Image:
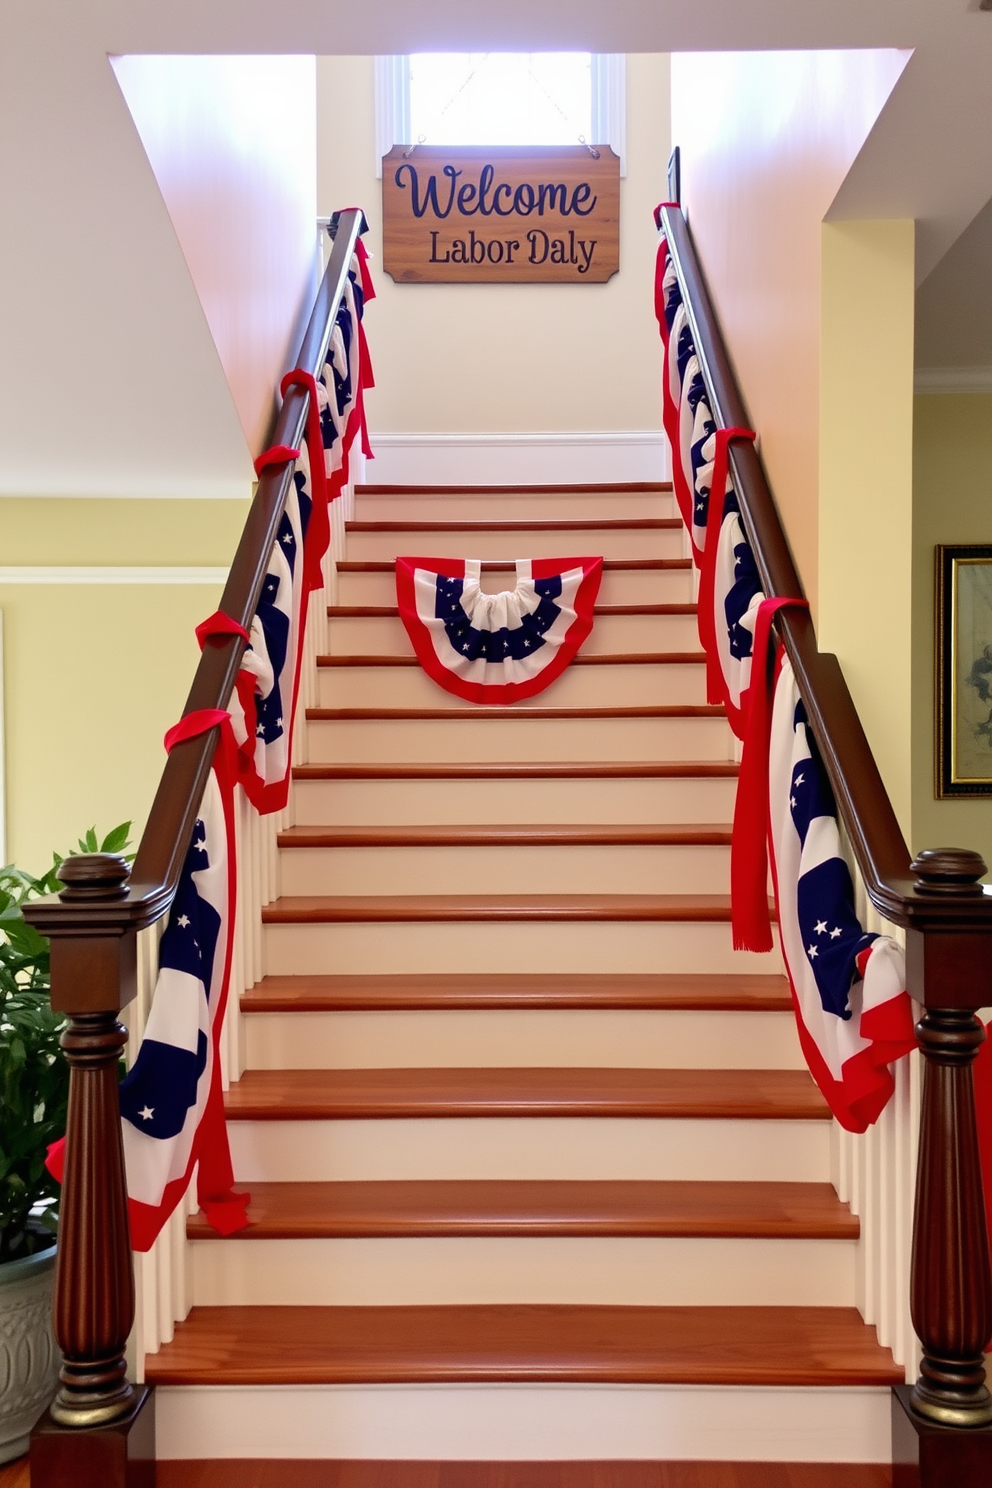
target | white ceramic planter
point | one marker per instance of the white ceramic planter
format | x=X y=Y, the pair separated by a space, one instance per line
x=29 y=1356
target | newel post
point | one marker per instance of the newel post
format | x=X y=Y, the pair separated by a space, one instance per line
x=84 y=1439
x=941 y=1426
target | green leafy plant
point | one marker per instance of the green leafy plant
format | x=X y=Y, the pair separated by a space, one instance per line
x=34 y=1077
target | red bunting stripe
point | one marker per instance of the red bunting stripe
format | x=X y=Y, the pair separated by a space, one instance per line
x=318 y=540
x=276 y=454
x=750 y=920
x=218 y=626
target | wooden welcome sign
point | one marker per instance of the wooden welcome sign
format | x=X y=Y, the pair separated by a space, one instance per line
x=506 y=215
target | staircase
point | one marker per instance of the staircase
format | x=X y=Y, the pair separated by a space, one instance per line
x=537 y=1169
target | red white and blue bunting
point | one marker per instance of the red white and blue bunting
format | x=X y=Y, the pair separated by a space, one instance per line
x=171 y=1100
x=853 y=1013
x=496 y=648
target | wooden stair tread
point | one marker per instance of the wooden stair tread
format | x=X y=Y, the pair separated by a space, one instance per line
x=523 y=524
x=502 y=565
x=334 y=909
x=691 y=1094
x=786 y=1346
x=392 y=612
x=283 y=1211
x=662 y=835
x=695 y=992
x=520 y=710
x=544 y=488
x=620 y=658
x=515 y=770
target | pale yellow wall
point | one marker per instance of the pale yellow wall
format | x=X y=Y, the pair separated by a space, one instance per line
x=94 y=675
x=766 y=140
x=866 y=481
x=483 y=358
x=952 y=503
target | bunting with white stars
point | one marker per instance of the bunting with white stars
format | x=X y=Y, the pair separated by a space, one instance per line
x=263 y=707
x=172 y=1113
x=848 y=986
x=496 y=648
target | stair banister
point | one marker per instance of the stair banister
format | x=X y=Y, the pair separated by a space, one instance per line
x=93 y=925
x=936 y=898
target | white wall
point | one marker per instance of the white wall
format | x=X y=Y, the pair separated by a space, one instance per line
x=232 y=142
x=483 y=358
x=766 y=140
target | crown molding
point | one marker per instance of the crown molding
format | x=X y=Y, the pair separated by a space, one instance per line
x=66 y=574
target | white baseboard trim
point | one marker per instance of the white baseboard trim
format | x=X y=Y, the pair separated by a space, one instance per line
x=953 y=380
x=525 y=1423
x=504 y=459
x=71 y=574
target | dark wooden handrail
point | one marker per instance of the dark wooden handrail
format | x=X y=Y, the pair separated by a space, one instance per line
x=869 y=819
x=93 y=925
x=153 y=880
x=936 y=897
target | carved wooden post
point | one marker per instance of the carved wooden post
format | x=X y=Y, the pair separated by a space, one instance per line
x=84 y=1438
x=951 y=1287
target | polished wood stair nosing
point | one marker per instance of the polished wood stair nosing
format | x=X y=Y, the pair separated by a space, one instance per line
x=391 y=612
x=521 y=710
x=552 y=488
x=516 y=770
x=521 y=1207
x=771 y=1346
x=336 y=909
x=502 y=565
x=665 y=991
x=618 y=658
x=523 y=525
x=551 y=835
x=442 y=1093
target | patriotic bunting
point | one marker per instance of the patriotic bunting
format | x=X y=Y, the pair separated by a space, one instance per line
x=172 y=1109
x=263 y=708
x=496 y=648
x=848 y=987
x=172 y=1106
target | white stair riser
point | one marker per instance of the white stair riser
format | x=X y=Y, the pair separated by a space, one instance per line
x=384 y=635
x=590 y=1147
x=524 y=1423
x=601 y=686
x=558 y=506
x=648 y=542
x=538 y=947
x=619 y=1271
x=563 y=869
x=539 y=740
x=506 y=802
x=540 y=1038
x=619 y=586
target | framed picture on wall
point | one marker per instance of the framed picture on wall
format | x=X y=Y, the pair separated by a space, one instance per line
x=963 y=751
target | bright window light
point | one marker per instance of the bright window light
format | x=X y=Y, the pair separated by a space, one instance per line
x=500 y=98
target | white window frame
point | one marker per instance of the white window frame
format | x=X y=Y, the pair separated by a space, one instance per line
x=609 y=104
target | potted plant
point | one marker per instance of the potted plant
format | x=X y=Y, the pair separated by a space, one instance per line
x=34 y=1092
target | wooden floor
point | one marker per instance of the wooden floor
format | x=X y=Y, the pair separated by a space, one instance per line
x=302 y=1474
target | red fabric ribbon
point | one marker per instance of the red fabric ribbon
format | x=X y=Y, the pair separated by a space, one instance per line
x=657 y=211
x=276 y=454
x=218 y=625
x=317 y=540
x=716 y=691
x=750 y=920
